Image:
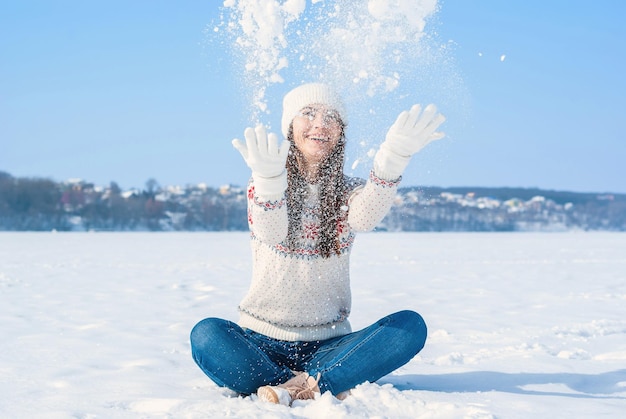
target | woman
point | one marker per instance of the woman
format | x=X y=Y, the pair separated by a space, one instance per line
x=293 y=339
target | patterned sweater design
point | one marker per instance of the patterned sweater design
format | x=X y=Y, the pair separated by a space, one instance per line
x=296 y=294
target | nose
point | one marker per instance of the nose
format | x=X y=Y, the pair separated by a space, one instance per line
x=319 y=121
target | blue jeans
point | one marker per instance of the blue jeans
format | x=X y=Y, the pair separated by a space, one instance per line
x=243 y=360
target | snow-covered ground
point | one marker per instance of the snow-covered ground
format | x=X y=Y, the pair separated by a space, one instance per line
x=521 y=325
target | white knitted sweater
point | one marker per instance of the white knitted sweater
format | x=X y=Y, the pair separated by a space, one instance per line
x=296 y=294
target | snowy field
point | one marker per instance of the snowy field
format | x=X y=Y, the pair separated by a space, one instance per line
x=521 y=325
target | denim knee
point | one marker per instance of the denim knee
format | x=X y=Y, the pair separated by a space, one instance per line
x=203 y=332
x=414 y=328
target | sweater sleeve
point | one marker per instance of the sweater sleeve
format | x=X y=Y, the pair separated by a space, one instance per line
x=267 y=218
x=369 y=204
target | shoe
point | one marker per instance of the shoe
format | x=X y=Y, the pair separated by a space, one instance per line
x=301 y=387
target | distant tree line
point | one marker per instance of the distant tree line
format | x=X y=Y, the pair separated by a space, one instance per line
x=39 y=204
x=505 y=209
x=36 y=204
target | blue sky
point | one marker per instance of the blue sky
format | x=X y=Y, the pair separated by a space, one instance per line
x=128 y=91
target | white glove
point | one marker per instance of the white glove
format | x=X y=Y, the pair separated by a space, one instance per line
x=412 y=131
x=266 y=160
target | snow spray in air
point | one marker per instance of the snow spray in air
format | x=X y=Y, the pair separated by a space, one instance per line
x=378 y=54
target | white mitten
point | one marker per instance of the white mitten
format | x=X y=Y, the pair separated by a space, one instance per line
x=266 y=160
x=411 y=132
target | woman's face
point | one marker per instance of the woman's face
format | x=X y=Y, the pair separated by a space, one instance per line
x=316 y=132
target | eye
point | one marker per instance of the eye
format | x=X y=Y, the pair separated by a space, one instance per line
x=332 y=117
x=308 y=113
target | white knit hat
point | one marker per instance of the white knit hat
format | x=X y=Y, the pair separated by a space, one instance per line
x=308 y=94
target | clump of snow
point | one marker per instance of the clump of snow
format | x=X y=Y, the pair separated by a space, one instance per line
x=259 y=29
x=365 y=43
x=520 y=325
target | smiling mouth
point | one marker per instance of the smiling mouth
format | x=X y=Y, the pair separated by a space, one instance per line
x=319 y=139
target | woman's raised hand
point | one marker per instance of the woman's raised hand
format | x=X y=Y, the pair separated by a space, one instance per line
x=414 y=130
x=262 y=153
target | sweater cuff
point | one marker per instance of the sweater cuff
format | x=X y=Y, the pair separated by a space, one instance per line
x=272 y=188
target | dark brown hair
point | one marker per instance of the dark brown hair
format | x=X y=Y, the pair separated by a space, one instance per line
x=332 y=187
